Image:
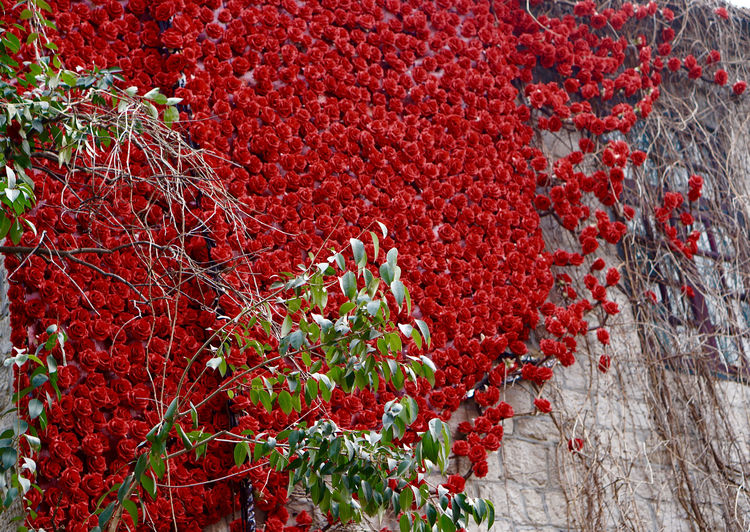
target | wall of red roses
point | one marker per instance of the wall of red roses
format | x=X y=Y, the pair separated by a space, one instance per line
x=335 y=114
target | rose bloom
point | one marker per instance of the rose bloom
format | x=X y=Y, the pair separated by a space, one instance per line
x=481 y=469
x=543 y=405
x=575 y=444
x=739 y=87
x=460 y=448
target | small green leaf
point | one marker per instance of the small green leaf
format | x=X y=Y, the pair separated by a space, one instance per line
x=140 y=465
x=122 y=491
x=403 y=523
x=286 y=325
x=424 y=330
x=358 y=250
x=397 y=287
x=406 y=498
x=241 y=450
x=375 y=245
x=285 y=402
x=35 y=408
x=445 y=524
x=12 y=42
x=106 y=515
x=132 y=509
x=171 y=115
x=348 y=283
x=171 y=410
x=149 y=485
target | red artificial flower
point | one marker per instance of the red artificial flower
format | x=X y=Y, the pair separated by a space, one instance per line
x=543 y=405
x=739 y=87
x=460 y=448
x=721 y=77
x=721 y=12
x=604 y=362
x=575 y=444
x=612 y=277
x=455 y=484
x=480 y=469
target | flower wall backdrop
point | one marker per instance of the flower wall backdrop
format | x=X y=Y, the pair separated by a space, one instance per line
x=329 y=115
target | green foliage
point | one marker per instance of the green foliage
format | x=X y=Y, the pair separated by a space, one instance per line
x=350 y=474
x=20 y=443
x=52 y=114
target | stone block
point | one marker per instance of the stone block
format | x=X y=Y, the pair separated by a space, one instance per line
x=525 y=461
x=535 y=508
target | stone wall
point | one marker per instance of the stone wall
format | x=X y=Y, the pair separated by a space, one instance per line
x=6 y=379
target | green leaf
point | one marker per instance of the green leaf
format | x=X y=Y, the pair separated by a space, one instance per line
x=373 y=307
x=122 y=491
x=424 y=330
x=445 y=524
x=51 y=363
x=265 y=398
x=383 y=228
x=149 y=485
x=171 y=115
x=392 y=257
x=11 y=42
x=403 y=523
x=286 y=325
x=43 y=5
x=285 y=402
x=157 y=464
x=348 y=284
x=358 y=250
x=311 y=391
x=35 y=408
x=241 y=450
x=8 y=457
x=397 y=287
x=375 y=245
x=106 y=515
x=431 y=513
x=406 y=498
x=132 y=509
x=140 y=465
x=5 y=223
x=386 y=273
x=171 y=410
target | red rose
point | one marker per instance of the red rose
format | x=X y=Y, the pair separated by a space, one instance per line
x=543 y=405
x=455 y=484
x=92 y=445
x=575 y=444
x=739 y=87
x=480 y=469
x=126 y=449
x=92 y=484
x=477 y=453
x=70 y=479
x=172 y=38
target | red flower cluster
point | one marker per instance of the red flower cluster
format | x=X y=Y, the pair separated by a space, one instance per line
x=338 y=114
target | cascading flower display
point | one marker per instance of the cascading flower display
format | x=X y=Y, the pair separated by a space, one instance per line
x=422 y=114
